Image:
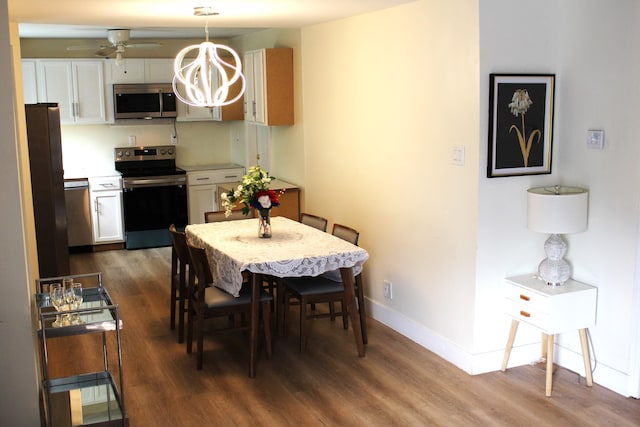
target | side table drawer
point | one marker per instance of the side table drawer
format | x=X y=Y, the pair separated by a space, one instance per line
x=530 y=300
x=528 y=314
x=553 y=309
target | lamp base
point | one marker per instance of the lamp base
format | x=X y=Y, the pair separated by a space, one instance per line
x=554 y=269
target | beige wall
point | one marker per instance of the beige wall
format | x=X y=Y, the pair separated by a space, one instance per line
x=382 y=113
x=18 y=358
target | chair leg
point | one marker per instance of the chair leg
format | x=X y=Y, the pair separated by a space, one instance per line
x=345 y=314
x=174 y=261
x=200 y=343
x=182 y=289
x=332 y=310
x=172 y=320
x=361 y=308
x=285 y=313
x=189 y=332
x=279 y=307
x=266 y=320
x=303 y=324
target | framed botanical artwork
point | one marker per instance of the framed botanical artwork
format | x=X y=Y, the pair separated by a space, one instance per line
x=520 y=124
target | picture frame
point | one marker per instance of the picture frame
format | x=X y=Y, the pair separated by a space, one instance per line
x=520 y=124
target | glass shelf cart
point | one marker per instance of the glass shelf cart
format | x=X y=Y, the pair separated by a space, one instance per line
x=88 y=399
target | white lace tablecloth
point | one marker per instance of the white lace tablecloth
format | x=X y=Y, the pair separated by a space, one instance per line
x=293 y=250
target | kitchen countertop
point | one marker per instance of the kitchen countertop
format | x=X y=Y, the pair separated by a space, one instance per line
x=83 y=173
x=217 y=166
x=276 y=184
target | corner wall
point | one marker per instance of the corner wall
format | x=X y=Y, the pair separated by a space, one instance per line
x=590 y=46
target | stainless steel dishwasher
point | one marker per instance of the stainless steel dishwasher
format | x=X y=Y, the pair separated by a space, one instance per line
x=76 y=197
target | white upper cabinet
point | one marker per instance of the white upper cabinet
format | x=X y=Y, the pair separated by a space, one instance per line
x=140 y=70
x=268 y=99
x=130 y=71
x=158 y=70
x=77 y=86
x=30 y=81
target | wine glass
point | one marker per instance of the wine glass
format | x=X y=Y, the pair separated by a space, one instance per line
x=69 y=297
x=56 y=295
x=77 y=302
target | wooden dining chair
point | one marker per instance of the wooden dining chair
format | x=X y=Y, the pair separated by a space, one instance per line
x=216 y=216
x=320 y=289
x=314 y=221
x=179 y=269
x=206 y=301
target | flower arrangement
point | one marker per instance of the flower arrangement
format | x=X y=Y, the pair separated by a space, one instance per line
x=253 y=192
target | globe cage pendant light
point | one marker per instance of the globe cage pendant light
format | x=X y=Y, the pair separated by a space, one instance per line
x=206 y=80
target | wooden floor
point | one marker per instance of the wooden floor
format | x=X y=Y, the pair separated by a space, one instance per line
x=398 y=383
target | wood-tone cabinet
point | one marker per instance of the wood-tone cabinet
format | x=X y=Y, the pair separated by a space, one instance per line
x=268 y=98
x=289 y=200
x=77 y=86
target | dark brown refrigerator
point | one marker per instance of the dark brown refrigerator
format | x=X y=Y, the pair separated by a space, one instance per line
x=47 y=186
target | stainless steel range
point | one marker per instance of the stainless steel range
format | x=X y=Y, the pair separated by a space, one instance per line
x=154 y=194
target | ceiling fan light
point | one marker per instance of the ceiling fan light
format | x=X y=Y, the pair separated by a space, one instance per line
x=119 y=59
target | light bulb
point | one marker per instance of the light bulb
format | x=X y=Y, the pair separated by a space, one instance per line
x=119 y=59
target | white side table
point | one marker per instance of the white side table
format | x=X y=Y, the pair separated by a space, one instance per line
x=553 y=310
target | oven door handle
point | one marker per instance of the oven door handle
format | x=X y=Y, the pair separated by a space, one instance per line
x=153 y=182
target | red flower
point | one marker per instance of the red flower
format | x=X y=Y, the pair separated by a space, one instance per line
x=273 y=197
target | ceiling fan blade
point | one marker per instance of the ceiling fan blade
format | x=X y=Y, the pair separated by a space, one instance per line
x=86 y=47
x=105 y=51
x=143 y=45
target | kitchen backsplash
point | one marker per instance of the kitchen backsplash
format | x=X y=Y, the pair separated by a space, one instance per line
x=90 y=147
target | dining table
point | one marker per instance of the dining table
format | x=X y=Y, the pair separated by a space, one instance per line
x=293 y=250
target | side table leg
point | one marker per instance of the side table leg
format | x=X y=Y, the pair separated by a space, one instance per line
x=585 y=356
x=507 y=350
x=550 y=340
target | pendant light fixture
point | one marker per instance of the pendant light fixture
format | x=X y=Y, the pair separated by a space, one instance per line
x=207 y=79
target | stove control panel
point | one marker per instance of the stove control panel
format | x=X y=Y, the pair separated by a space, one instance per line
x=155 y=152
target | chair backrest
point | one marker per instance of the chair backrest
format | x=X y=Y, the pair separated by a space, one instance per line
x=314 y=221
x=179 y=240
x=200 y=265
x=217 y=216
x=346 y=233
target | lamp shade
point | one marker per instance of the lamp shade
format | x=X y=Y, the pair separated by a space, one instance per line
x=557 y=210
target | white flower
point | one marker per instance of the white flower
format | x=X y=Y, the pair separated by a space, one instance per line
x=265 y=201
x=223 y=196
x=520 y=102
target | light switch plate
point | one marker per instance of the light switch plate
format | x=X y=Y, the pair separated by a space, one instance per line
x=595 y=139
x=457 y=155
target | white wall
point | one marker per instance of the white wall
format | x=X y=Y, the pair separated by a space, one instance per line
x=590 y=46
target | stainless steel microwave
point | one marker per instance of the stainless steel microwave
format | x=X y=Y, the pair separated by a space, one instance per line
x=144 y=101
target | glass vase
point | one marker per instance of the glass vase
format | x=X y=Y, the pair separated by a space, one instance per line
x=264 y=223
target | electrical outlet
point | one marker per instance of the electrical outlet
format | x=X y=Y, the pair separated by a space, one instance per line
x=387 y=289
x=174 y=139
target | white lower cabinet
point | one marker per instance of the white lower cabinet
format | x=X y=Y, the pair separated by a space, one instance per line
x=106 y=209
x=202 y=189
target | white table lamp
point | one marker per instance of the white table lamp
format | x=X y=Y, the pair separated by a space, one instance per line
x=556 y=210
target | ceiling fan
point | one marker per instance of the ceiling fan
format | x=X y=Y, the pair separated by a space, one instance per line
x=119 y=41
